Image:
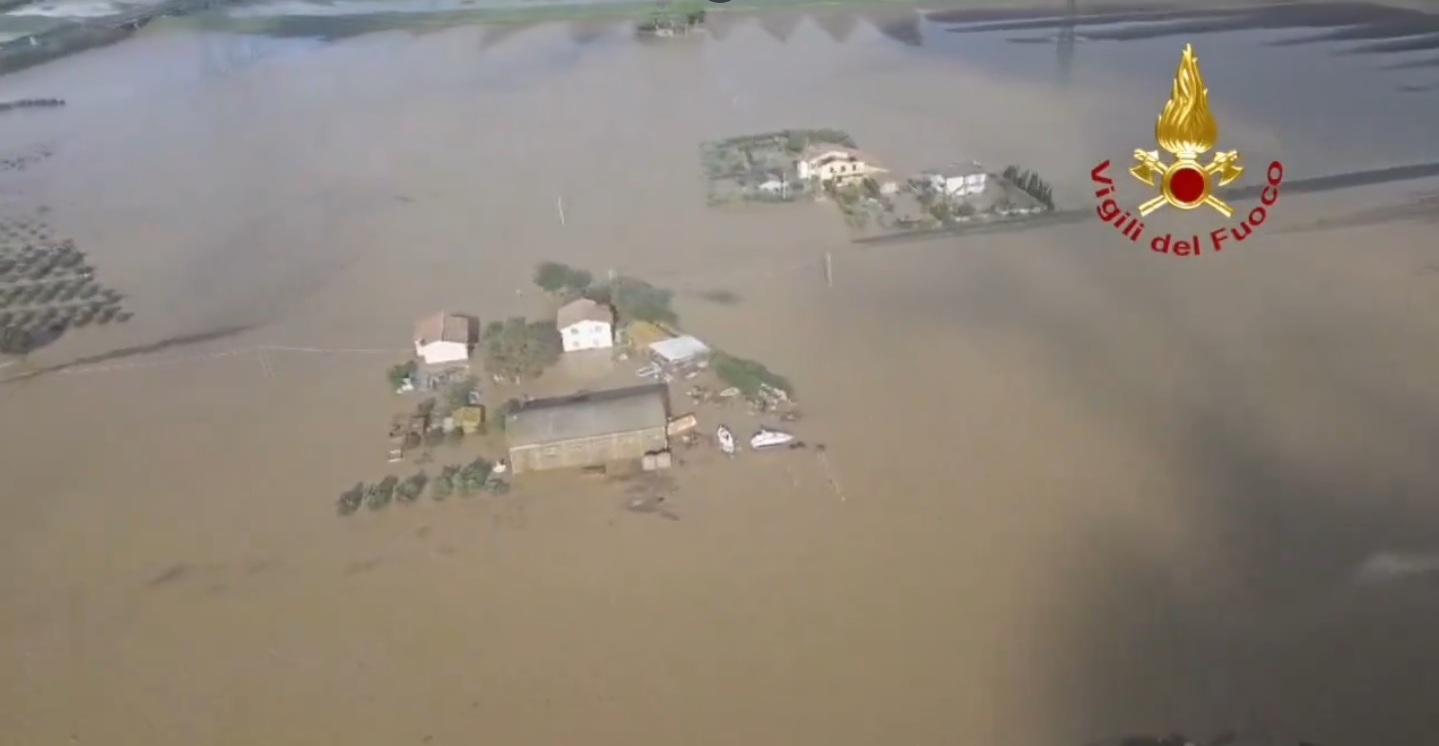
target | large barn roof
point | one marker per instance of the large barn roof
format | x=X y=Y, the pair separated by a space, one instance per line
x=545 y=421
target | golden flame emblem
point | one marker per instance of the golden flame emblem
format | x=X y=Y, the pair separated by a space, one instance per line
x=1186 y=129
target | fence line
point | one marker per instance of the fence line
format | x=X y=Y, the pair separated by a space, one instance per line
x=258 y=351
x=709 y=277
x=335 y=350
x=139 y=364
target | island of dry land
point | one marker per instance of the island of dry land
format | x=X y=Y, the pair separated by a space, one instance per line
x=473 y=379
x=826 y=165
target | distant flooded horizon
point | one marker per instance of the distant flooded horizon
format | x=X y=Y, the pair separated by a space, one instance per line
x=1383 y=59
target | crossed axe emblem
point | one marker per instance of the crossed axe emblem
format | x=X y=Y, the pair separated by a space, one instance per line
x=1225 y=167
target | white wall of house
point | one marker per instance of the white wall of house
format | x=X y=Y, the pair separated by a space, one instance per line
x=828 y=168
x=438 y=353
x=587 y=335
x=959 y=186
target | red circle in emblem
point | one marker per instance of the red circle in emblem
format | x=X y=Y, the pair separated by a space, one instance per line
x=1188 y=184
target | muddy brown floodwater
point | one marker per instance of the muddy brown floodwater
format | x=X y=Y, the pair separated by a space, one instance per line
x=1087 y=491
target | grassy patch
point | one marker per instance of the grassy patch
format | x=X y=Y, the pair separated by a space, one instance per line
x=747 y=375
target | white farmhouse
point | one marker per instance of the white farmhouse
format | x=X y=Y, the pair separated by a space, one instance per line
x=443 y=338
x=586 y=325
x=961 y=181
x=831 y=163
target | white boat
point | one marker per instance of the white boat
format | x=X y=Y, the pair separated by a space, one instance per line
x=767 y=438
x=726 y=440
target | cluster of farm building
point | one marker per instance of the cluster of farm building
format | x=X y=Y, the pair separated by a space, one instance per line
x=618 y=429
x=796 y=165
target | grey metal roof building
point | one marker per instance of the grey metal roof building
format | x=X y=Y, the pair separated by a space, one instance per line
x=588 y=429
x=679 y=350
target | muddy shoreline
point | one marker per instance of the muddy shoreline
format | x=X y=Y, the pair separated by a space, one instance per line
x=73 y=38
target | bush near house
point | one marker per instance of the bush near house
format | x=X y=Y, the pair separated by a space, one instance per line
x=398 y=373
x=747 y=375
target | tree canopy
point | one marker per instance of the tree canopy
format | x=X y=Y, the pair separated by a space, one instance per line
x=15 y=341
x=637 y=300
x=1030 y=183
x=562 y=279
x=517 y=348
x=633 y=299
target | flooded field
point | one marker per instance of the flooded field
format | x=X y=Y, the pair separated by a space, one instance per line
x=1087 y=491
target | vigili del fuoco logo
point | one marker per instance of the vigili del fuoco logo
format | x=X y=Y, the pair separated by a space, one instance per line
x=1187 y=131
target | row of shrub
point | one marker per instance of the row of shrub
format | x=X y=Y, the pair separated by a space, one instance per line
x=471 y=479
x=1029 y=182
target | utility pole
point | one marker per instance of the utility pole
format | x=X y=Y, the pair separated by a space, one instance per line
x=1065 y=45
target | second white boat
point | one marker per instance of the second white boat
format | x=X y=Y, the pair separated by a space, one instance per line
x=767 y=438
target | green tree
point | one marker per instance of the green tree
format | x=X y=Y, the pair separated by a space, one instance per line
x=472 y=478
x=409 y=491
x=562 y=280
x=1030 y=183
x=444 y=484
x=351 y=499
x=15 y=340
x=636 y=300
x=398 y=373
x=552 y=277
x=517 y=349
x=580 y=281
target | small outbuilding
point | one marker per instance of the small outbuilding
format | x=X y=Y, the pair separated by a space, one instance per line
x=680 y=352
x=958 y=181
x=591 y=429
